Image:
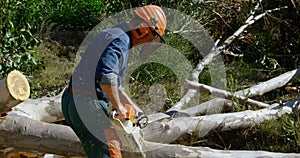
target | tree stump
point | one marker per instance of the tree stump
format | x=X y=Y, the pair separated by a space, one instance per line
x=13 y=89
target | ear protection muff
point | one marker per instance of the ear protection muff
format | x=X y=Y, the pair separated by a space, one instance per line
x=141 y=30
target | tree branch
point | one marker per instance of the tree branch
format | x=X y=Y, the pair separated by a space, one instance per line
x=217 y=51
x=271 y=84
x=168 y=130
x=224 y=94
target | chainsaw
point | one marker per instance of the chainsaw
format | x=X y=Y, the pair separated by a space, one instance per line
x=128 y=130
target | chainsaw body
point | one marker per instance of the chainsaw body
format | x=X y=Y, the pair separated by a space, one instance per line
x=129 y=132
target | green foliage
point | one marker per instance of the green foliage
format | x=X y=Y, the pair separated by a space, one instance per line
x=273 y=42
x=150 y=74
x=17 y=42
x=115 y=6
x=22 y=21
x=184 y=46
x=74 y=15
x=280 y=135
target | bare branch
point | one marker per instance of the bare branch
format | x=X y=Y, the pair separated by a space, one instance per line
x=216 y=52
x=212 y=106
x=224 y=94
x=271 y=84
x=227 y=52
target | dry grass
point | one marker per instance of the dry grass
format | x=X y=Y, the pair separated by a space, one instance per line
x=58 y=69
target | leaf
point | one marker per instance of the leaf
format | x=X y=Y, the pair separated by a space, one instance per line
x=8 y=34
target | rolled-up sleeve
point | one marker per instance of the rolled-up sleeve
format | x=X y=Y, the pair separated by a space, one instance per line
x=109 y=79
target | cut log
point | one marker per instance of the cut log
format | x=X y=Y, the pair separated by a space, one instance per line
x=13 y=89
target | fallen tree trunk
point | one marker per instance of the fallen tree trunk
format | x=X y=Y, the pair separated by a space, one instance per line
x=210 y=107
x=168 y=130
x=171 y=150
x=13 y=90
x=46 y=109
x=25 y=133
x=172 y=123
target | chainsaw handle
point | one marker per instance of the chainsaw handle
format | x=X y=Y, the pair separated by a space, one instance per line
x=142 y=122
x=113 y=114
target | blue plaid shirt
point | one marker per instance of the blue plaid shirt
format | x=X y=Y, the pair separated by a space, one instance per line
x=112 y=64
x=104 y=61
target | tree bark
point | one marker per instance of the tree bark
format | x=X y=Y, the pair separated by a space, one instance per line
x=46 y=109
x=224 y=94
x=24 y=133
x=271 y=84
x=168 y=130
x=171 y=150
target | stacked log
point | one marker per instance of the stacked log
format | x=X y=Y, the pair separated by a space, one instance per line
x=13 y=89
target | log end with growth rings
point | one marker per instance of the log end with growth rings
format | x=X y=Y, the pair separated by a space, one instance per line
x=13 y=89
x=18 y=85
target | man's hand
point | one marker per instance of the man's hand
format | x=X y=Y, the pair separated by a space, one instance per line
x=125 y=99
x=121 y=112
x=113 y=95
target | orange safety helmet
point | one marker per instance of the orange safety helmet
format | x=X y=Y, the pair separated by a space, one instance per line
x=154 y=17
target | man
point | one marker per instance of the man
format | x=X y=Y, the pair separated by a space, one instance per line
x=96 y=81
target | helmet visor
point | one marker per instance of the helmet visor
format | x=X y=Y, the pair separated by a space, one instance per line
x=157 y=37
